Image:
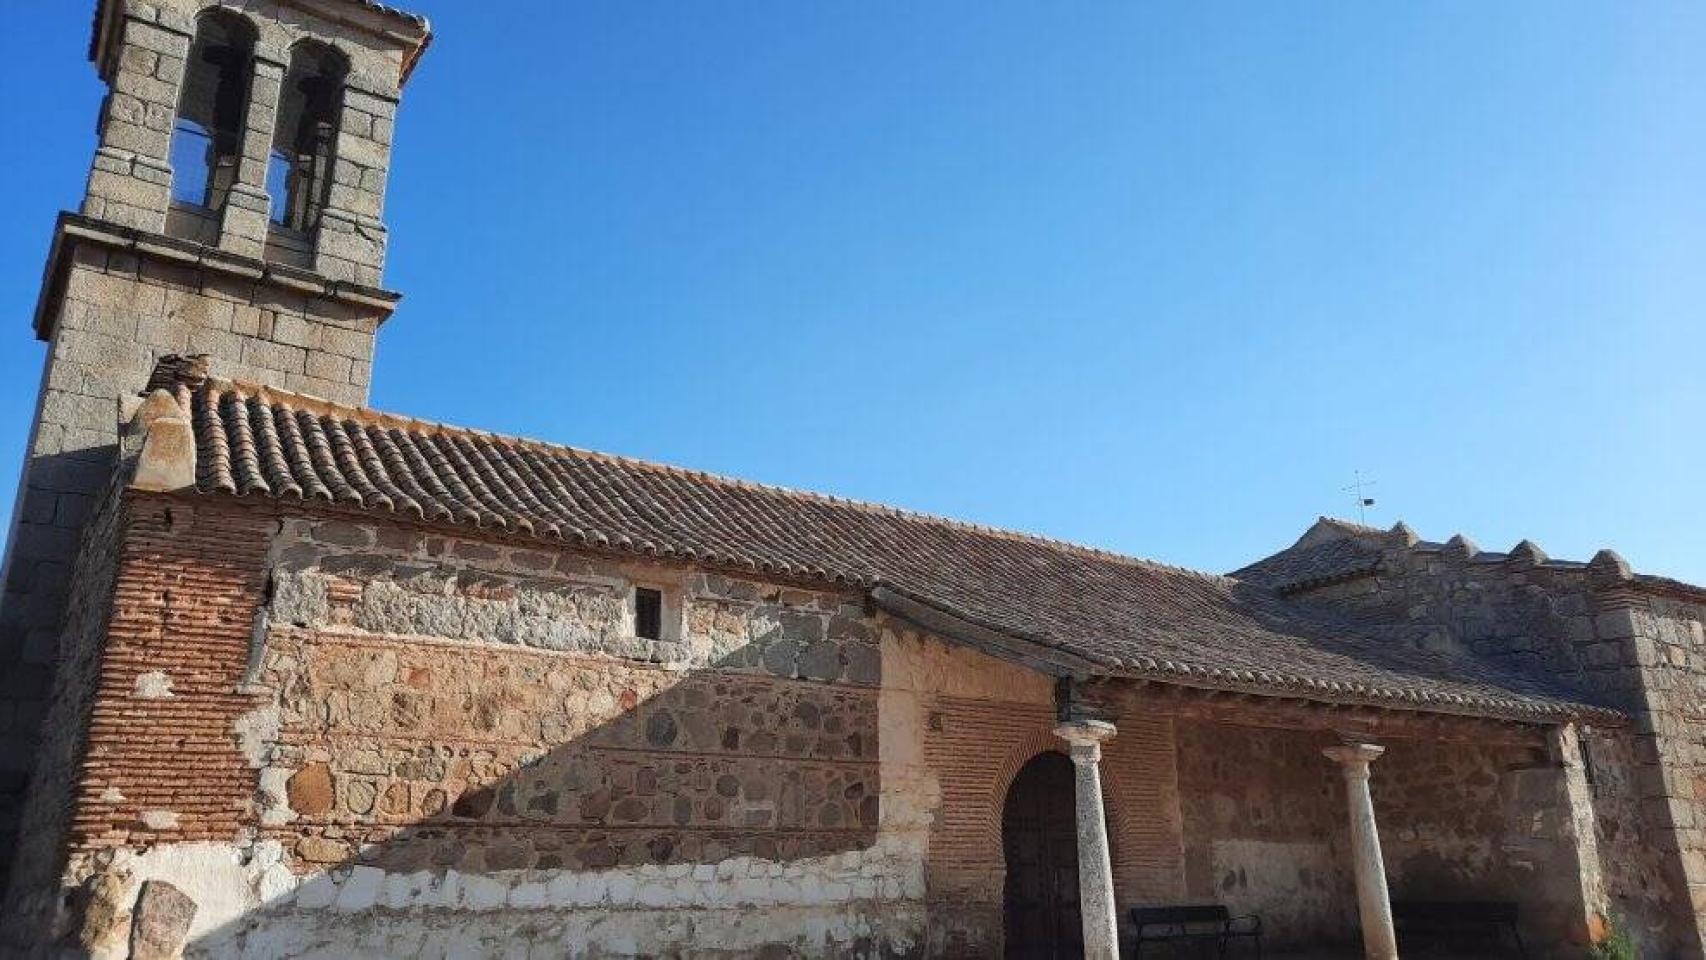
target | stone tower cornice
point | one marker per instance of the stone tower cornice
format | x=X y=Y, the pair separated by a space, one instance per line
x=73 y=228
x=410 y=31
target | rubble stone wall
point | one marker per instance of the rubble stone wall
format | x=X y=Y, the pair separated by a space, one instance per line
x=1533 y=619
x=421 y=738
x=1264 y=824
x=321 y=735
x=405 y=742
x=1266 y=830
x=1616 y=637
x=1643 y=894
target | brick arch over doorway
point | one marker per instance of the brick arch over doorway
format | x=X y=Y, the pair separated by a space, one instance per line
x=979 y=746
x=1019 y=755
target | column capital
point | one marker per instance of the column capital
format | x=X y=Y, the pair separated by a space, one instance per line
x=1354 y=757
x=1085 y=737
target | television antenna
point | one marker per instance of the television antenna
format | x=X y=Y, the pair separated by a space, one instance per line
x=1363 y=500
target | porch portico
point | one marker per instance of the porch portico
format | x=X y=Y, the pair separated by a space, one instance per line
x=1316 y=818
x=1184 y=795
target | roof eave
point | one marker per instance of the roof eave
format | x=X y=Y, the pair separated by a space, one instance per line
x=1052 y=661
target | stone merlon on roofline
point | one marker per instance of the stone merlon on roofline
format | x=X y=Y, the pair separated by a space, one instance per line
x=1068 y=608
x=1336 y=551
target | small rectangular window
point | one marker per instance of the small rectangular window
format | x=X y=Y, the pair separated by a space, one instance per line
x=648 y=613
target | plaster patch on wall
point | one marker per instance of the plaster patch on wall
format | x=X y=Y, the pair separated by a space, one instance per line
x=153 y=685
x=226 y=881
x=250 y=904
x=256 y=732
x=160 y=819
x=846 y=931
x=1296 y=887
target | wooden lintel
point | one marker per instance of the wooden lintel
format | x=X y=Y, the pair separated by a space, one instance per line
x=1286 y=713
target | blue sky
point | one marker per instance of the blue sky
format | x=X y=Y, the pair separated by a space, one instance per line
x=1157 y=277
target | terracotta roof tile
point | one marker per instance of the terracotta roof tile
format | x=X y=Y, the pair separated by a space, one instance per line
x=1122 y=615
x=1307 y=565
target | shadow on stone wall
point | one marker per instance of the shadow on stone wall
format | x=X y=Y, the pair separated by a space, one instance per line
x=727 y=809
x=58 y=494
x=716 y=766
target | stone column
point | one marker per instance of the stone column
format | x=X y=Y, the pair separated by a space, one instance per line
x=248 y=207
x=351 y=241
x=1374 y=904
x=131 y=181
x=1095 y=869
x=1579 y=886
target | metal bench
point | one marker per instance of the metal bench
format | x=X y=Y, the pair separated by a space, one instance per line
x=1199 y=924
x=1480 y=923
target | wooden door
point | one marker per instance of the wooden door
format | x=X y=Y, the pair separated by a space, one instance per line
x=1038 y=835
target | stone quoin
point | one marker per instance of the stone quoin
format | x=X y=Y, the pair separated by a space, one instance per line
x=291 y=676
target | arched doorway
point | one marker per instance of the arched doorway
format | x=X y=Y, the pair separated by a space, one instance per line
x=1038 y=836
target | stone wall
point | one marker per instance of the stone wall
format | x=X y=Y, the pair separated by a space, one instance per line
x=1663 y=636
x=1532 y=618
x=432 y=737
x=320 y=735
x=1629 y=641
x=1639 y=870
x=1264 y=829
x=1496 y=821
x=428 y=743
x=478 y=724
x=121 y=311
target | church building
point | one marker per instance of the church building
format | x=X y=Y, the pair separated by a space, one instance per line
x=288 y=676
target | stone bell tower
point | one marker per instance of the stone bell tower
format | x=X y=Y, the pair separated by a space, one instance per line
x=233 y=209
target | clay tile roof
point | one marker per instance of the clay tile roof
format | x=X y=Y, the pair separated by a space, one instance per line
x=1313 y=564
x=1112 y=614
